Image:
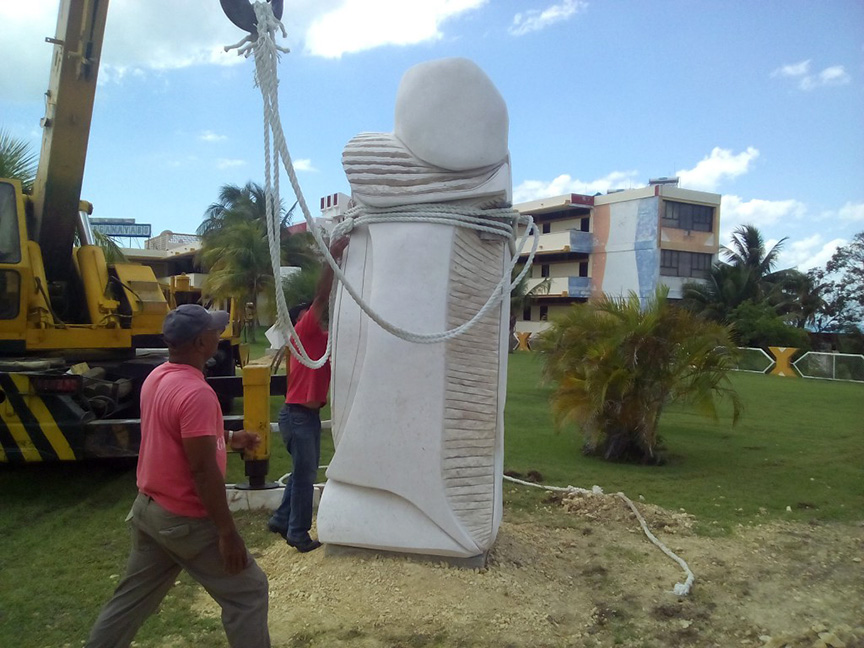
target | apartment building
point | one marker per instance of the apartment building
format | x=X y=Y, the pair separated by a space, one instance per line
x=614 y=243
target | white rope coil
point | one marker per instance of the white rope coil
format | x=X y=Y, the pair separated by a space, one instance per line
x=680 y=589
x=502 y=222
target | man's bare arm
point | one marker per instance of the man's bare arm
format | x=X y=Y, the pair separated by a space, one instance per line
x=201 y=453
x=325 y=283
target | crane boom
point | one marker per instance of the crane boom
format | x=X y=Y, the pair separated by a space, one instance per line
x=68 y=112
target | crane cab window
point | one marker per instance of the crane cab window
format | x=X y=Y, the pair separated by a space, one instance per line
x=10 y=243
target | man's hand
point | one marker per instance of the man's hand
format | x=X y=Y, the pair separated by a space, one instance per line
x=233 y=552
x=338 y=246
x=245 y=440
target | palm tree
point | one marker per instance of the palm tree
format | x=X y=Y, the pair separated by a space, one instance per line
x=235 y=247
x=237 y=257
x=249 y=204
x=747 y=284
x=300 y=287
x=747 y=252
x=725 y=288
x=17 y=161
x=617 y=363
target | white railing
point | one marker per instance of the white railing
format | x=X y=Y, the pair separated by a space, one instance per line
x=831 y=366
x=754 y=360
x=818 y=365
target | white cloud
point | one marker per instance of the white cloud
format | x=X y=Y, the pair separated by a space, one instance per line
x=830 y=76
x=852 y=212
x=716 y=167
x=151 y=35
x=537 y=19
x=226 y=163
x=811 y=252
x=303 y=164
x=156 y=35
x=793 y=70
x=358 y=25
x=210 y=136
x=564 y=184
x=761 y=213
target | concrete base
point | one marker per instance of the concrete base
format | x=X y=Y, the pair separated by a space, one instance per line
x=268 y=499
x=472 y=562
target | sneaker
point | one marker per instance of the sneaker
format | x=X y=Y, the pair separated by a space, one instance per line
x=275 y=528
x=303 y=545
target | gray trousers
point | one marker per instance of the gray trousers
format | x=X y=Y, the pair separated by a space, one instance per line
x=163 y=544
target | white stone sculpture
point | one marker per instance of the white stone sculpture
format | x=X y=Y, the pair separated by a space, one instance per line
x=419 y=427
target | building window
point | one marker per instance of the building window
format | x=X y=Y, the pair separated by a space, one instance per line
x=544 y=270
x=584 y=225
x=526 y=314
x=674 y=263
x=669 y=260
x=583 y=269
x=700 y=265
x=544 y=313
x=546 y=227
x=699 y=218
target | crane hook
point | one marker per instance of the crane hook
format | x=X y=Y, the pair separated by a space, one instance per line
x=241 y=13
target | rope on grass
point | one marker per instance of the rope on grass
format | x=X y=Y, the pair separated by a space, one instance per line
x=680 y=589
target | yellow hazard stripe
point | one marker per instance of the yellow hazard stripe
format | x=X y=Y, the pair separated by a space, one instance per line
x=2 y=455
x=19 y=434
x=46 y=420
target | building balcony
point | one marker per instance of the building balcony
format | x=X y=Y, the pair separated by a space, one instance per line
x=581 y=241
x=558 y=286
x=579 y=286
x=561 y=242
x=563 y=287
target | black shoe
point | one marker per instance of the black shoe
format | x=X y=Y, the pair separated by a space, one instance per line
x=275 y=529
x=305 y=545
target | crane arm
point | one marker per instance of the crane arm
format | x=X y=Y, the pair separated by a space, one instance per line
x=66 y=130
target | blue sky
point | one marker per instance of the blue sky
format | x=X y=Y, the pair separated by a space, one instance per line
x=762 y=102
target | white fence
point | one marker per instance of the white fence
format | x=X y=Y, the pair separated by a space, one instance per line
x=813 y=364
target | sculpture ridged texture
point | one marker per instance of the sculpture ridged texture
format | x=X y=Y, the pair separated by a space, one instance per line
x=471 y=397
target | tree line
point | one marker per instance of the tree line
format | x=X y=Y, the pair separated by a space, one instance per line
x=769 y=307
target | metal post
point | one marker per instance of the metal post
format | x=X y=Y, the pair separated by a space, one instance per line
x=256 y=418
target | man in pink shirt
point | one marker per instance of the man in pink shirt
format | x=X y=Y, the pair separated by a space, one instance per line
x=180 y=519
x=300 y=417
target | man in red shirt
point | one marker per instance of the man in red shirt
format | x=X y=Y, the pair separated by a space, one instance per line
x=180 y=519
x=300 y=417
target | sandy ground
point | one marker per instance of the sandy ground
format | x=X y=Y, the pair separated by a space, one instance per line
x=594 y=580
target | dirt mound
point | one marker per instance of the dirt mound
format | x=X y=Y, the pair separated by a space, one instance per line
x=592 y=580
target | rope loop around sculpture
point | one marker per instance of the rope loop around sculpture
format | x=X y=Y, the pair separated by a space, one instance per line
x=500 y=221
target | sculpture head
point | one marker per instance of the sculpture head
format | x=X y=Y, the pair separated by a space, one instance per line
x=449 y=141
x=450 y=115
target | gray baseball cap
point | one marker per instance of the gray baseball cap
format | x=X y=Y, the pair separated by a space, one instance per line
x=186 y=322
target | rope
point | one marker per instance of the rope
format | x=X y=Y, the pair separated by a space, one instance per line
x=501 y=222
x=680 y=589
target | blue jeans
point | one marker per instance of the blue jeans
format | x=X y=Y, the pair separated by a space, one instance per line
x=301 y=431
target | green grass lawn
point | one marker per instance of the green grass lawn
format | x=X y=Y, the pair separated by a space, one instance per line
x=800 y=443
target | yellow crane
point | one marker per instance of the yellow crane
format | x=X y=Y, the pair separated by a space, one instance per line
x=72 y=327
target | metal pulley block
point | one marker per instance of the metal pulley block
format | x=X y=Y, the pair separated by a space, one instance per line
x=242 y=14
